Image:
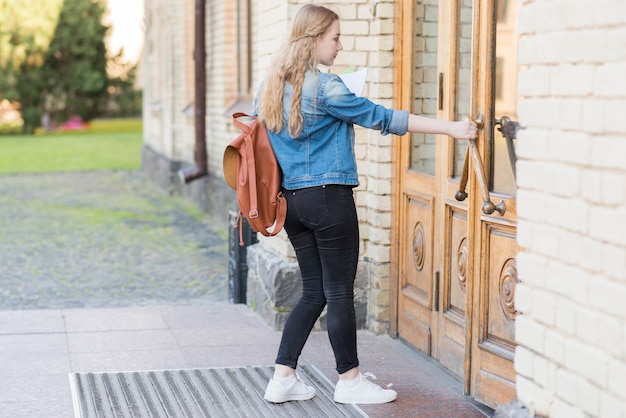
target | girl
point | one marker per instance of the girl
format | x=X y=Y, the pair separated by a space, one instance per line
x=310 y=116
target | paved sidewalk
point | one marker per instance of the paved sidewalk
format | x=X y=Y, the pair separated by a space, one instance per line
x=41 y=347
x=104 y=272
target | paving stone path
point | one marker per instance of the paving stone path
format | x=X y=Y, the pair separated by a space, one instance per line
x=105 y=239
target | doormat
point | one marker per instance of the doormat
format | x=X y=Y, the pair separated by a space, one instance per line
x=214 y=392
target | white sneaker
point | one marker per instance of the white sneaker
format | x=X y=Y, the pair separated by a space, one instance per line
x=297 y=390
x=364 y=392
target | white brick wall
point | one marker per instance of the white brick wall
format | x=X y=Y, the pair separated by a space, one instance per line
x=571 y=357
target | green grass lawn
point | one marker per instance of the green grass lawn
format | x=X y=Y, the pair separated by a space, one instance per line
x=111 y=144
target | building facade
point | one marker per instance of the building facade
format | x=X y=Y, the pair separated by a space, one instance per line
x=503 y=259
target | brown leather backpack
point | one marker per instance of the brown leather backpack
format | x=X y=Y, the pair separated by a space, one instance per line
x=251 y=168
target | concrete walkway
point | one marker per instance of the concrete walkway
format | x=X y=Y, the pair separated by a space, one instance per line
x=101 y=272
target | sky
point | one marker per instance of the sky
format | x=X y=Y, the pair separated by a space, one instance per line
x=126 y=18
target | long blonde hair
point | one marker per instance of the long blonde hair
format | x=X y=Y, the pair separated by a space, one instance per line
x=290 y=65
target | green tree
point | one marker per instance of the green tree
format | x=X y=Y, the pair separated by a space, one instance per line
x=124 y=98
x=26 y=28
x=75 y=66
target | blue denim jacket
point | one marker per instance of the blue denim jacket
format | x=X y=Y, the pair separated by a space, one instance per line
x=324 y=152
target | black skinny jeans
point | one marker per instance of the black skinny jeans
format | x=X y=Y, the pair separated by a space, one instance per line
x=323 y=228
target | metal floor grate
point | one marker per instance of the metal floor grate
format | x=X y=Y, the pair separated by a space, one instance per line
x=215 y=392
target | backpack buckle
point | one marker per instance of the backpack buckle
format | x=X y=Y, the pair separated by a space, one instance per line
x=253 y=214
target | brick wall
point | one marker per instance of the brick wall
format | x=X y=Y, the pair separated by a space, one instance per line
x=571 y=358
x=367 y=36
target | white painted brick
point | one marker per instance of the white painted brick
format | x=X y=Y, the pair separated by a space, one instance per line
x=529 y=333
x=609 y=12
x=570 y=214
x=591 y=46
x=611 y=405
x=534 y=81
x=608 y=152
x=613 y=43
x=570 y=114
x=531 y=394
x=545 y=240
x=566 y=385
x=560 y=409
x=588 y=325
x=614 y=121
x=530 y=205
x=607 y=296
x=574 y=147
x=572 y=80
x=617 y=376
x=569 y=247
x=524 y=234
x=566 y=316
x=613 y=188
x=591 y=186
x=523 y=298
x=567 y=280
x=612 y=336
x=544 y=372
x=524 y=361
x=588 y=397
x=572 y=14
x=555 y=346
x=539 y=175
x=592 y=251
x=533 y=142
x=531 y=269
x=539 y=112
x=531 y=51
x=543 y=308
x=605 y=84
x=593 y=116
x=590 y=362
x=614 y=262
x=604 y=224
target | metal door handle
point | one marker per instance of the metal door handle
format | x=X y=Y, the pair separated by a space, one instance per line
x=509 y=129
x=488 y=206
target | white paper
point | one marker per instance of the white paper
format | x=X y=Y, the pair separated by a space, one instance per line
x=355 y=81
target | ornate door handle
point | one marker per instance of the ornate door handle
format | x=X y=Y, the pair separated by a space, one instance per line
x=488 y=206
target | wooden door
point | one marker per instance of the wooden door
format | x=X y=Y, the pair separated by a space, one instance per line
x=455 y=262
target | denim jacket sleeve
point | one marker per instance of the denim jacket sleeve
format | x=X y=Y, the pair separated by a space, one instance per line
x=345 y=105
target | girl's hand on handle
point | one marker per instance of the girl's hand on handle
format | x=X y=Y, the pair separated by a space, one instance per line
x=460 y=130
x=463 y=130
